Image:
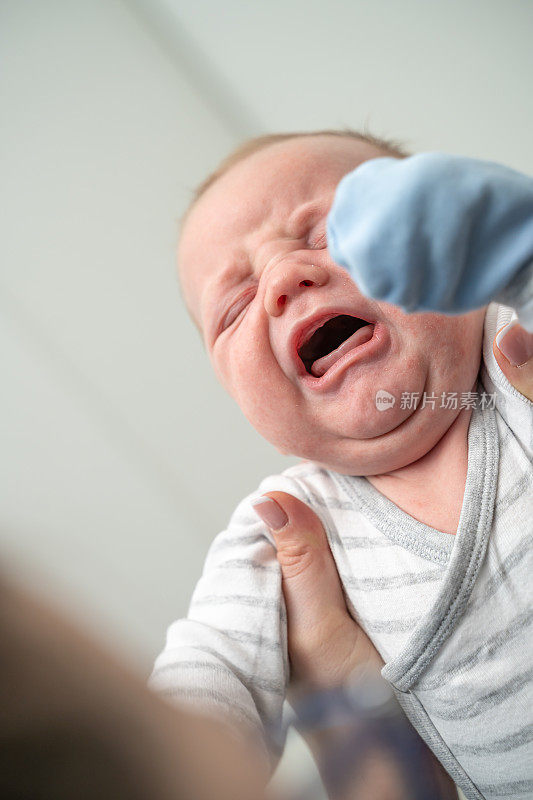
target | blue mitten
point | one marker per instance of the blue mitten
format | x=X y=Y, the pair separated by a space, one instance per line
x=436 y=232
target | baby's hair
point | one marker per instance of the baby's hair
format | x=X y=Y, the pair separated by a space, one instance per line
x=251 y=146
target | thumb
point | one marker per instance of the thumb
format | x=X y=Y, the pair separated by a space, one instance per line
x=310 y=578
x=325 y=642
x=513 y=350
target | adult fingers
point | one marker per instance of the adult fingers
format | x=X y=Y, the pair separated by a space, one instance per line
x=513 y=350
x=325 y=643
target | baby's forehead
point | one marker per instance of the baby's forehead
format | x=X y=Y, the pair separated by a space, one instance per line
x=204 y=256
x=255 y=194
x=278 y=177
x=259 y=194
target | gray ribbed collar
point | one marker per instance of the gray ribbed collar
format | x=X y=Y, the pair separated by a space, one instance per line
x=462 y=554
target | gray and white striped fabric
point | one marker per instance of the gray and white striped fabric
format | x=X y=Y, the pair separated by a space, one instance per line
x=451 y=615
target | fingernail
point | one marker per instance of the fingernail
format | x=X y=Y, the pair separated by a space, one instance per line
x=270 y=512
x=515 y=343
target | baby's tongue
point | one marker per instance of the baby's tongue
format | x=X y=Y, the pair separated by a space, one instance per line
x=321 y=365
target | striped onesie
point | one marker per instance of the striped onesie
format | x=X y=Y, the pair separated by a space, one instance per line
x=450 y=615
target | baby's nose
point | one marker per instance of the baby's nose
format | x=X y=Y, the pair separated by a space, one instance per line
x=288 y=280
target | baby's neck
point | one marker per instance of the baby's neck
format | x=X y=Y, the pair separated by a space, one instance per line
x=431 y=489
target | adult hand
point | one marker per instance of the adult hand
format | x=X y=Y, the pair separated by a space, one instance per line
x=325 y=643
x=513 y=350
x=326 y=646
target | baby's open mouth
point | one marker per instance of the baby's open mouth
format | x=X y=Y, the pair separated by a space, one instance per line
x=332 y=340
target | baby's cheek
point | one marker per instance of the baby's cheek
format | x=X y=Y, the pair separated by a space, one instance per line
x=450 y=345
x=458 y=345
x=256 y=384
x=238 y=362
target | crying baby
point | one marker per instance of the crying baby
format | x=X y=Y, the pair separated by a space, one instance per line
x=414 y=496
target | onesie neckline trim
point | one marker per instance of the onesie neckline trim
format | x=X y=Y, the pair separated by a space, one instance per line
x=461 y=554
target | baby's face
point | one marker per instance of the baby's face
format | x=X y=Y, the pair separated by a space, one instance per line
x=259 y=280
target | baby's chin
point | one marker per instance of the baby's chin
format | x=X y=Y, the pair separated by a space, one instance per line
x=376 y=464
x=399 y=447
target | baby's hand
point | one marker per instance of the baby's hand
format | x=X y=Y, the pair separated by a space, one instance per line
x=435 y=232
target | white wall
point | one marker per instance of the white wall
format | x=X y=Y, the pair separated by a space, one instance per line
x=120 y=455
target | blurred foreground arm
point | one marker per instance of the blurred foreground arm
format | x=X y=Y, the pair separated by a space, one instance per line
x=76 y=723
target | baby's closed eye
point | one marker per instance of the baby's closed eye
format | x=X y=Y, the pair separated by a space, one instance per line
x=317 y=239
x=237 y=307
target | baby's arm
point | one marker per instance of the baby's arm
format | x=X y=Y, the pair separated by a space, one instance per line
x=437 y=232
x=229 y=656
